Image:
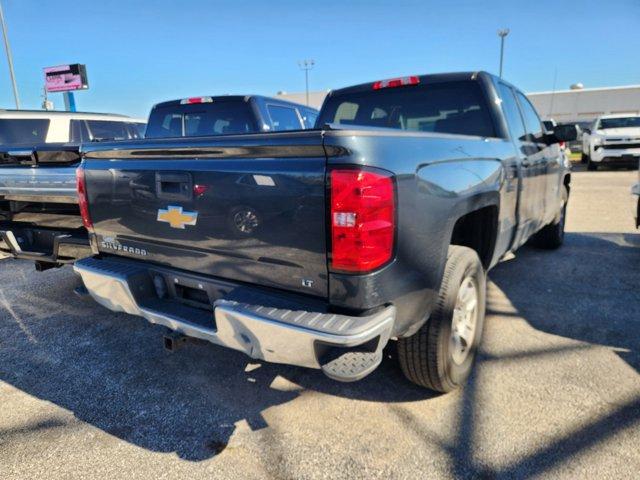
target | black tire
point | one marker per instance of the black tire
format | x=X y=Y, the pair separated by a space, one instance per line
x=591 y=166
x=426 y=357
x=584 y=158
x=552 y=236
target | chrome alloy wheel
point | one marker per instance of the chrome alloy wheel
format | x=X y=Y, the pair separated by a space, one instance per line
x=464 y=321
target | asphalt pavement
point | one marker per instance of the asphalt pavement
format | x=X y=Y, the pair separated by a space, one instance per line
x=86 y=393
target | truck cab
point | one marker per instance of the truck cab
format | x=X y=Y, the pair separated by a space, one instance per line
x=227 y=115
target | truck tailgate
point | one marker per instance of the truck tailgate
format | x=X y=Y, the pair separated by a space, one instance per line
x=249 y=208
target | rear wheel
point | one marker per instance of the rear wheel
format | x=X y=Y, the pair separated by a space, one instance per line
x=440 y=355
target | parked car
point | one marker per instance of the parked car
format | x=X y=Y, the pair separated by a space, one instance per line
x=38 y=200
x=388 y=218
x=230 y=114
x=39 y=216
x=612 y=140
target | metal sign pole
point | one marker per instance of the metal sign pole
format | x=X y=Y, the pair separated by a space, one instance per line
x=9 y=59
x=69 y=101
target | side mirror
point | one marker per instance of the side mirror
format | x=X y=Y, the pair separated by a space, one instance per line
x=563 y=133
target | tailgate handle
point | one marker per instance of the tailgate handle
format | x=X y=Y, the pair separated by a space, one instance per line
x=174 y=185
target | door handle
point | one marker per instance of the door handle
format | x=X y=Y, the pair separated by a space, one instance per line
x=174 y=185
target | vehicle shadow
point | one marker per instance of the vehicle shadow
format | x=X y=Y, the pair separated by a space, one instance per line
x=606 y=310
x=112 y=372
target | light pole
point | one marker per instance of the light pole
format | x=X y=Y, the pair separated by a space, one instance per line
x=502 y=33
x=306 y=65
x=9 y=59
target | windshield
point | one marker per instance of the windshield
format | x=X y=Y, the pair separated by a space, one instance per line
x=23 y=130
x=448 y=107
x=201 y=119
x=621 y=122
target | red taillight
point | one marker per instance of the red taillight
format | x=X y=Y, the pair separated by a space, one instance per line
x=362 y=219
x=396 y=82
x=188 y=101
x=82 y=199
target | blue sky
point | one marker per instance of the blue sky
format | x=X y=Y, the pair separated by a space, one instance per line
x=141 y=52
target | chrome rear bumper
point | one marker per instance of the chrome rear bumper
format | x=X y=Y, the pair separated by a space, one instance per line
x=297 y=337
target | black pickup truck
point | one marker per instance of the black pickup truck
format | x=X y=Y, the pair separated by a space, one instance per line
x=316 y=248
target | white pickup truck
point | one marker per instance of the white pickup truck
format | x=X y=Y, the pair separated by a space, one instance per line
x=612 y=140
x=39 y=154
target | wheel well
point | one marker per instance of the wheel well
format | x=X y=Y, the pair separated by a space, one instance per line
x=478 y=230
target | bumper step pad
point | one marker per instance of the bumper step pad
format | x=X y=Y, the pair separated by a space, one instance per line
x=352 y=366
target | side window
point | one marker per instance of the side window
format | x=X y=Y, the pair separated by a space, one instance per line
x=141 y=128
x=512 y=112
x=283 y=118
x=309 y=118
x=134 y=131
x=79 y=131
x=100 y=130
x=531 y=119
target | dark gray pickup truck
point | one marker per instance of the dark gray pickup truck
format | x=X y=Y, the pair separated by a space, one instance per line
x=316 y=248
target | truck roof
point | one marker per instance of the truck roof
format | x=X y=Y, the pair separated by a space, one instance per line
x=9 y=113
x=425 y=78
x=233 y=98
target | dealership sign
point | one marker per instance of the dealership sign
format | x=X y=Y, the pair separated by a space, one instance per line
x=64 y=78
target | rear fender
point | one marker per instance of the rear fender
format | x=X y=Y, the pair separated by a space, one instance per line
x=450 y=190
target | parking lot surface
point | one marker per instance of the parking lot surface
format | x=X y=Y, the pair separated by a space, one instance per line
x=86 y=393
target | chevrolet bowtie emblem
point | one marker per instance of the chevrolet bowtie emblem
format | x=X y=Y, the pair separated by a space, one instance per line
x=176 y=217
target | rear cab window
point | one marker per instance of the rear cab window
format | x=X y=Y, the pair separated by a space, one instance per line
x=201 y=119
x=457 y=107
x=22 y=130
x=283 y=118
